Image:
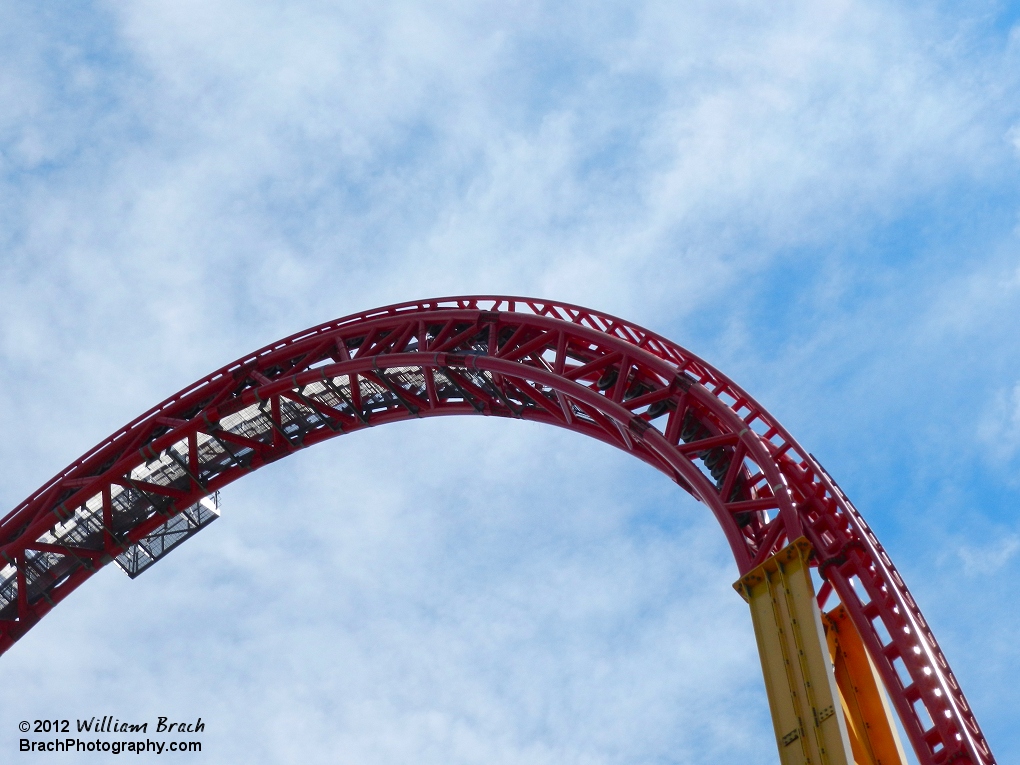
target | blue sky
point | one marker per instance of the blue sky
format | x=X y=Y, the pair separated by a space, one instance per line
x=819 y=198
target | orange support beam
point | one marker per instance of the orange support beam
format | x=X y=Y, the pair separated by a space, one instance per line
x=870 y=723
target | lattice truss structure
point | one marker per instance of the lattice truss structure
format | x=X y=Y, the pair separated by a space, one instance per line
x=154 y=483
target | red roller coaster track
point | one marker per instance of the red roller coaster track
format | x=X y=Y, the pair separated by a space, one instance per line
x=143 y=490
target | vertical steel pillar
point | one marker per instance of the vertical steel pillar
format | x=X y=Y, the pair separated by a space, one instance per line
x=870 y=723
x=806 y=713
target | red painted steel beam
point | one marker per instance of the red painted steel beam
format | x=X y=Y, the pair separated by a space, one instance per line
x=497 y=356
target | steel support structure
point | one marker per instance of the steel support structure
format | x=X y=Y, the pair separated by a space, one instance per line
x=870 y=723
x=807 y=716
x=498 y=356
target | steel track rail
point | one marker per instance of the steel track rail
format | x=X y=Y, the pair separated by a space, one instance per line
x=139 y=492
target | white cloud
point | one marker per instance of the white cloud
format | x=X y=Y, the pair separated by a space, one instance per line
x=991 y=559
x=1000 y=429
x=180 y=183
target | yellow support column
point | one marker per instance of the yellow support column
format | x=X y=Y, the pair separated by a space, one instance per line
x=807 y=718
x=869 y=717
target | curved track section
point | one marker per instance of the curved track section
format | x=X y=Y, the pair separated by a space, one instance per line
x=147 y=487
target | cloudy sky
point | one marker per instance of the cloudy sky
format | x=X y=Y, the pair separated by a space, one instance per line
x=820 y=198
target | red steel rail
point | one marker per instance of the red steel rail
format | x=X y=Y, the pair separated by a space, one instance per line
x=141 y=491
